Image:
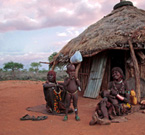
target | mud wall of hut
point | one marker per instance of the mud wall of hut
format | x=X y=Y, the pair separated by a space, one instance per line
x=130 y=69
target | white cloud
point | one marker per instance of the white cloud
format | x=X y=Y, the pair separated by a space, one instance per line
x=36 y=14
x=33 y=14
x=67 y=18
x=63 y=34
x=65 y=10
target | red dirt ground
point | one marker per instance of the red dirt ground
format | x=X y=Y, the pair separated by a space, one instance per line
x=16 y=96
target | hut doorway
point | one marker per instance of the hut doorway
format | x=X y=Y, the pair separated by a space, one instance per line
x=117 y=58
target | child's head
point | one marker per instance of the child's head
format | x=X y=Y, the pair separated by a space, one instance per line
x=104 y=93
x=51 y=76
x=71 y=70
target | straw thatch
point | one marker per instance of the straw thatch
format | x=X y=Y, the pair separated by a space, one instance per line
x=110 y=32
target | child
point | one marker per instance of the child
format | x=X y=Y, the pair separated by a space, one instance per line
x=103 y=109
x=71 y=84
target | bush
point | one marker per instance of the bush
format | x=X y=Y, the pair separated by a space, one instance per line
x=27 y=75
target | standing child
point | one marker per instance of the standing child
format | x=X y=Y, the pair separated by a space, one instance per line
x=71 y=84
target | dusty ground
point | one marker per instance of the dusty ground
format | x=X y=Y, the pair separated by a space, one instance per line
x=16 y=96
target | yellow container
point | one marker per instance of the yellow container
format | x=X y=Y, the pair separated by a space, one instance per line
x=134 y=100
x=132 y=93
x=133 y=97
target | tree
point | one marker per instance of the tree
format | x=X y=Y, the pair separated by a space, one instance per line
x=35 y=67
x=50 y=58
x=59 y=65
x=13 y=66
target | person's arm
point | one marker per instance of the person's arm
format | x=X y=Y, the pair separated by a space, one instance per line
x=48 y=85
x=113 y=93
x=66 y=81
x=122 y=95
x=61 y=86
x=78 y=82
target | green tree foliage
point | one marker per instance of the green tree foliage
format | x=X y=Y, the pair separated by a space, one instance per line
x=35 y=67
x=13 y=66
x=50 y=58
x=60 y=66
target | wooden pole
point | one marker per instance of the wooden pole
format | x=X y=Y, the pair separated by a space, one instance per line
x=136 y=70
x=44 y=62
x=53 y=66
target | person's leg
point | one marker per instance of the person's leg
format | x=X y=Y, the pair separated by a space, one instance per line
x=94 y=120
x=45 y=91
x=98 y=110
x=103 y=107
x=46 y=96
x=97 y=116
x=110 y=111
x=115 y=103
x=104 y=110
x=50 y=99
x=67 y=105
x=75 y=102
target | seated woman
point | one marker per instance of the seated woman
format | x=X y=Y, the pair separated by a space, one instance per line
x=116 y=96
x=53 y=93
x=119 y=91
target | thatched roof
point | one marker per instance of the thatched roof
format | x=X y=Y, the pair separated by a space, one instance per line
x=110 y=32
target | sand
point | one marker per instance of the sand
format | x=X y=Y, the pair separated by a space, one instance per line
x=16 y=96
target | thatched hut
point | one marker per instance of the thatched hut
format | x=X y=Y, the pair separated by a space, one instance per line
x=109 y=42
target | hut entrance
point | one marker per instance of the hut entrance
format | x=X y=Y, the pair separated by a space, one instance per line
x=117 y=58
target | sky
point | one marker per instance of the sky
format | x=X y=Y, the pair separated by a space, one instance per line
x=31 y=30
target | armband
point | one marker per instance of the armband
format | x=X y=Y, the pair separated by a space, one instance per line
x=79 y=88
x=120 y=97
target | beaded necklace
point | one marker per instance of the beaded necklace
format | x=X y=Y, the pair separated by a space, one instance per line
x=119 y=89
